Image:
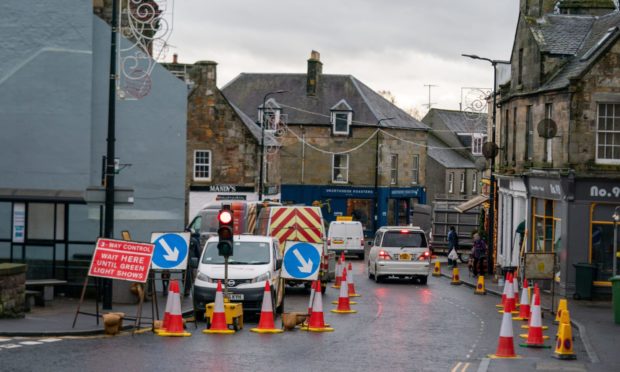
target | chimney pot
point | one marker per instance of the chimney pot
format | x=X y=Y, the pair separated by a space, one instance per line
x=175 y=58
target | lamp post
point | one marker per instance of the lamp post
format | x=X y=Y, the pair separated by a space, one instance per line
x=491 y=177
x=377 y=173
x=616 y=217
x=262 y=143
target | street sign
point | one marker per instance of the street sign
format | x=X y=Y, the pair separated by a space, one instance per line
x=170 y=250
x=301 y=260
x=123 y=260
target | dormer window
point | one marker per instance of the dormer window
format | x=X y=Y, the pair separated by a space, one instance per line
x=341 y=117
x=477 y=140
x=270 y=115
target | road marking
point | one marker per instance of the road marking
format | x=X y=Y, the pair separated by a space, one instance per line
x=50 y=339
x=456 y=367
x=10 y=346
x=484 y=365
x=31 y=343
x=2 y=339
x=465 y=366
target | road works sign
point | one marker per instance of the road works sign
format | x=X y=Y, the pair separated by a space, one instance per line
x=170 y=250
x=301 y=261
x=123 y=260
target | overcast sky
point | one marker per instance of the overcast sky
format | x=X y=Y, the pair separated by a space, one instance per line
x=395 y=45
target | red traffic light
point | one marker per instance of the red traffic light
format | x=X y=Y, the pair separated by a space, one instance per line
x=225 y=217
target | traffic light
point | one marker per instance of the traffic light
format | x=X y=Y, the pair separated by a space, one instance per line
x=225 y=231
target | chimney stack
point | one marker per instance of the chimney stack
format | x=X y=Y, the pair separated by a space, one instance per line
x=175 y=58
x=315 y=69
x=204 y=73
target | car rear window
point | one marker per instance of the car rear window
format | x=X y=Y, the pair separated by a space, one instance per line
x=403 y=239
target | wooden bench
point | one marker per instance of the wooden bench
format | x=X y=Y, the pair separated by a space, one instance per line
x=47 y=285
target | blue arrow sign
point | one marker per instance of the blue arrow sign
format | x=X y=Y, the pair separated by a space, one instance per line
x=301 y=261
x=170 y=251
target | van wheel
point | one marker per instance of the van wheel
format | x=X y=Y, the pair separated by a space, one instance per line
x=464 y=257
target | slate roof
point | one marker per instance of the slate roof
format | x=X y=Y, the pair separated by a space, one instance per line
x=445 y=156
x=563 y=27
x=463 y=121
x=254 y=128
x=561 y=34
x=247 y=90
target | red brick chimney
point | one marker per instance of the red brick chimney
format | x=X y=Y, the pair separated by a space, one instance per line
x=175 y=58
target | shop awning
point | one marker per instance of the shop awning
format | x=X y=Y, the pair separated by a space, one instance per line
x=471 y=203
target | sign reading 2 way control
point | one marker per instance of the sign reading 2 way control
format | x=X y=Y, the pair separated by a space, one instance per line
x=301 y=261
x=170 y=250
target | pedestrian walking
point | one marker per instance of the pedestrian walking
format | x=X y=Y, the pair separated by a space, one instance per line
x=479 y=252
x=453 y=245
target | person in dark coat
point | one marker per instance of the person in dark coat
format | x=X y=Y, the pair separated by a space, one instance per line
x=479 y=251
x=453 y=244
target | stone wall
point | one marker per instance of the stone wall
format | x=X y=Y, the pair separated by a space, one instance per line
x=12 y=290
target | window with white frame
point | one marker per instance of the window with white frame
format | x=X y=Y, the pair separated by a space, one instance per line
x=477 y=141
x=415 y=169
x=608 y=134
x=462 y=188
x=474 y=182
x=340 y=168
x=394 y=169
x=341 y=122
x=202 y=165
x=450 y=182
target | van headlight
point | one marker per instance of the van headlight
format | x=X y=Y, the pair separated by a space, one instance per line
x=204 y=278
x=262 y=278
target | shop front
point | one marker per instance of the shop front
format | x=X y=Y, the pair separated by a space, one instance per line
x=200 y=196
x=512 y=209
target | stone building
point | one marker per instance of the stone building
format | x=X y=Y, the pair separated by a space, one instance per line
x=223 y=144
x=558 y=168
x=343 y=145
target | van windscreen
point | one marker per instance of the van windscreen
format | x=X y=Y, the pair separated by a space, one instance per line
x=244 y=253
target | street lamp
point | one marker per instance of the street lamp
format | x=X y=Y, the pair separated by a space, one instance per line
x=377 y=172
x=262 y=143
x=616 y=217
x=494 y=153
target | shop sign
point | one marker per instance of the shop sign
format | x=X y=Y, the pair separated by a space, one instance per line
x=598 y=191
x=348 y=191
x=222 y=188
x=19 y=222
x=545 y=188
x=230 y=197
x=405 y=193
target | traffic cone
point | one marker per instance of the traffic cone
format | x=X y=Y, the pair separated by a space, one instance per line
x=316 y=322
x=564 y=343
x=535 y=336
x=509 y=305
x=166 y=319
x=174 y=325
x=524 y=310
x=312 y=294
x=480 y=290
x=350 y=282
x=343 y=299
x=437 y=269
x=339 y=266
x=505 y=345
x=218 y=320
x=456 y=279
x=563 y=305
x=501 y=305
x=266 y=324
x=536 y=294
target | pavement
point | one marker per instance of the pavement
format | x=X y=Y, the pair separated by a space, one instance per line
x=592 y=321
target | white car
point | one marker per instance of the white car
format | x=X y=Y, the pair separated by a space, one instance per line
x=399 y=251
x=255 y=260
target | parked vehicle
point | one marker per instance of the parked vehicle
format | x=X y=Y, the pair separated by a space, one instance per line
x=347 y=237
x=444 y=216
x=399 y=251
x=255 y=260
x=298 y=223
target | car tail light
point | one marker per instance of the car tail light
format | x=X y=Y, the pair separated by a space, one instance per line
x=362 y=242
x=404 y=231
x=425 y=256
x=329 y=242
x=383 y=255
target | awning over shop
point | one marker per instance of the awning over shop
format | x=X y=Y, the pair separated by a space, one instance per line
x=471 y=203
x=41 y=195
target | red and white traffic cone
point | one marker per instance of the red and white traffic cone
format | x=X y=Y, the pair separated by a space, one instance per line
x=317 y=322
x=536 y=294
x=509 y=305
x=339 y=266
x=266 y=323
x=524 y=310
x=505 y=346
x=343 y=298
x=218 y=320
x=174 y=325
x=350 y=282
x=166 y=319
x=503 y=303
x=535 y=336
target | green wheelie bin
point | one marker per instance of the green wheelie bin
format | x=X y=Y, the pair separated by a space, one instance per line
x=615 y=294
x=583 y=281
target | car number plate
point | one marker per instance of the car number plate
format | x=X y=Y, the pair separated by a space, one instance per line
x=235 y=296
x=404 y=257
x=338 y=241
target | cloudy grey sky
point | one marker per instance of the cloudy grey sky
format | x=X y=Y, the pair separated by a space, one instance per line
x=395 y=45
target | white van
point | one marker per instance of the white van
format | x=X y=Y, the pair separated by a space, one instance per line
x=255 y=260
x=347 y=237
